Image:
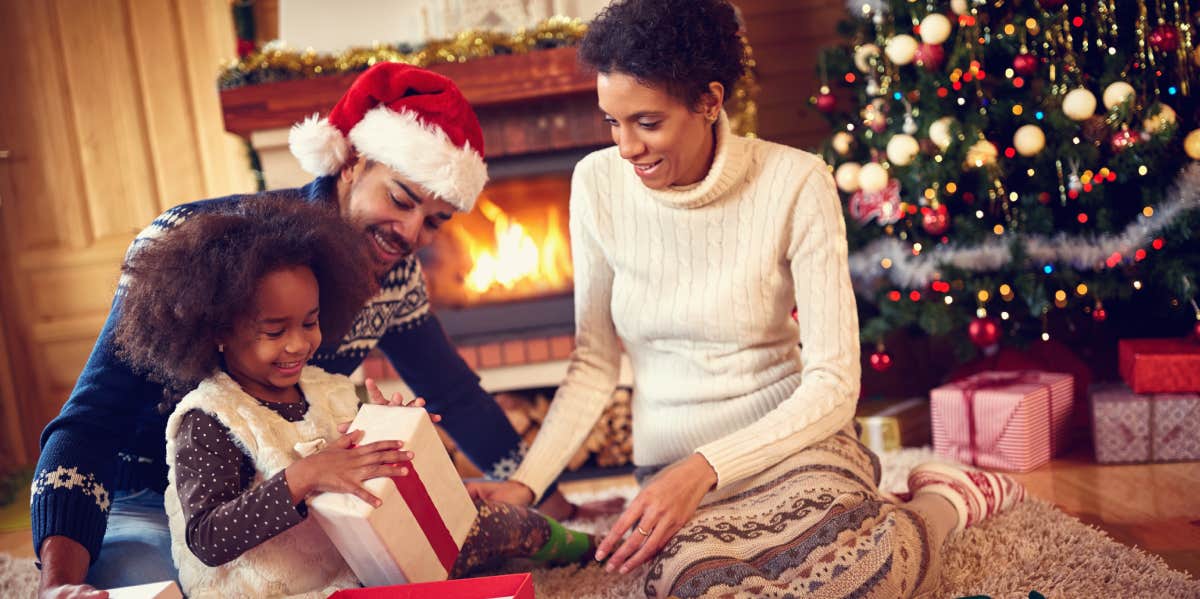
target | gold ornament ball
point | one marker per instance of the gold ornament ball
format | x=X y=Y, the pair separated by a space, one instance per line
x=939 y=132
x=935 y=28
x=1079 y=104
x=841 y=143
x=901 y=49
x=863 y=55
x=1157 y=121
x=846 y=176
x=872 y=178
x=1191 y=144
x=1116 y=93
x=901 y=149
x=1029 y=140
x=982 y=154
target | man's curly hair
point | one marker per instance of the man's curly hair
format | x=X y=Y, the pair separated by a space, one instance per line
x=682 y=45
x=188 y=287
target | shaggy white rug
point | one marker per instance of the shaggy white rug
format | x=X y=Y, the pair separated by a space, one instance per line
x=1033 y=547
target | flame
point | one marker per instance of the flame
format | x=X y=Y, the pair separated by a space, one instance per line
x=518 y=259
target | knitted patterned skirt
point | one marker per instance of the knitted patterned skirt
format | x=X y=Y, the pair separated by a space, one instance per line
x=813 y=525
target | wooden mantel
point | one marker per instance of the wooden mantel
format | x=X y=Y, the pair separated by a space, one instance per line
x=535 y=102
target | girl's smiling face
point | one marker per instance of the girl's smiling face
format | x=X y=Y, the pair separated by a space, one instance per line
x=269 y=347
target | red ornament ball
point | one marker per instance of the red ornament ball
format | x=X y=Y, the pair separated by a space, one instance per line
x=1099 y=315
x=984 y=332
x=1025 y=65
x=935 y=221
x=930 y=56
x=881 y=361
x=1123 y=140
x=1164 y=38
x=245 y=48
x=826 y=102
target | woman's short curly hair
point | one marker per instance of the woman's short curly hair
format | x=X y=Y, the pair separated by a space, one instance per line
x=682 y=45
x=188 y=287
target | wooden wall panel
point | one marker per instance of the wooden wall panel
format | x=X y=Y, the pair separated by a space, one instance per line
x=112 y=117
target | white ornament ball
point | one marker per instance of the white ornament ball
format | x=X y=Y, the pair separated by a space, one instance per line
x=939 y=132
x=1191 y=144
x=935 y=28
x=901 y=49
x=1160 y=120
x=872 y=177
x=1079 y=104
x=901 y=149
x=841 y=143
x=959 y=7
x=1117 y=92
x=846 y=176
x=982 y=154
x=1029 y=140
x=863 y=55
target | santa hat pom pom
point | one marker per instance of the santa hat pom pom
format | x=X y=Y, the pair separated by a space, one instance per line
x=318 y=145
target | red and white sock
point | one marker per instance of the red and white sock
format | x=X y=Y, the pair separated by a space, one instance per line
x=975 y=494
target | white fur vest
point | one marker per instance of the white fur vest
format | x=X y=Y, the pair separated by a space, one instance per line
x=299 y=562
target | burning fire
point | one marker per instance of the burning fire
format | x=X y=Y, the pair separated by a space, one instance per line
x=518 y=259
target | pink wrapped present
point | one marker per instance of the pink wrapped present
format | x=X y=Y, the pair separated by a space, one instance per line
x=1011 y=421
x=1131 y=427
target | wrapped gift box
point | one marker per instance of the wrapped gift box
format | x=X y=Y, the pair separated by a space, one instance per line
x=508 y=586
x=415 y=535
x=154 y=590
x=1160 y=365
x=1003 y=420
x=1132 y=427
x=890 y=425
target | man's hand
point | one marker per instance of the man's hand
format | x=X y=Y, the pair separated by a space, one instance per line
x=507 y=491
x=64 y=565
x=663 y=506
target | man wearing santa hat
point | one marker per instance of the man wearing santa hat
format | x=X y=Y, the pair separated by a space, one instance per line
x=399 y=154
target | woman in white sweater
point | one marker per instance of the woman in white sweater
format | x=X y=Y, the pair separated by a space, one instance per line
x=691 y=246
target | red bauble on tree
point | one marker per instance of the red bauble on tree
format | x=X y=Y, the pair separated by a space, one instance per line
x=930 y=56
x=826 y=102
x=984 y=331
x=1164 y=38
x=936 y=220
x=1025 y=64
x=881 y=361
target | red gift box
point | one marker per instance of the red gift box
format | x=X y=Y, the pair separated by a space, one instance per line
x=510 y=586
x=1004 y=420
x=1160 y=365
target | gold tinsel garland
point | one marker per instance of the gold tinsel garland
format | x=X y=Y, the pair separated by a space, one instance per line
x=274 y=62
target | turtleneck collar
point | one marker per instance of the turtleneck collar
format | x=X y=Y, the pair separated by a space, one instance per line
x=729 y=165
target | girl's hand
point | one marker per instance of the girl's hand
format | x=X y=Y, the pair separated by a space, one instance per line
x=375 y=396
x=342 y=468
x=663 y=506
x=507 y=491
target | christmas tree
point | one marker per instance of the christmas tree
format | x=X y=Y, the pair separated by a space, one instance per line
x=1011 y=168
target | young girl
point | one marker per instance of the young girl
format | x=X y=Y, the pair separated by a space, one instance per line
x=228 y=308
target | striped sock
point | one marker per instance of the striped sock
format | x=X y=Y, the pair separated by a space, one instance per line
x=565 y=546
x=975 y=494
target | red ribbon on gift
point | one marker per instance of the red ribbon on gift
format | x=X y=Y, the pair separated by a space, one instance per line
x=428 y=517
x=997 y=381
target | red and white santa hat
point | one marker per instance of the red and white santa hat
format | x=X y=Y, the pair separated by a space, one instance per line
x=410 y=119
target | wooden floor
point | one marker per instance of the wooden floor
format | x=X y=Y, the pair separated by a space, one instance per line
x=1155 y=506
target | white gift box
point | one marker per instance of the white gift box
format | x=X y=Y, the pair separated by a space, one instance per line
x=416 y=533
x=155 y=590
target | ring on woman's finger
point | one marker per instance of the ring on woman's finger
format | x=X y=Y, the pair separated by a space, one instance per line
x=643 y=532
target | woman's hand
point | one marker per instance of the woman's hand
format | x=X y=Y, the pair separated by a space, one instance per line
x=663 y=506
x=342 y=468
x=505 y=491
x=375 y=396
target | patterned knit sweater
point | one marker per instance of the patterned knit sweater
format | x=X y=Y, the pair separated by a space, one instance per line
x=109 y=435
x=697 y=284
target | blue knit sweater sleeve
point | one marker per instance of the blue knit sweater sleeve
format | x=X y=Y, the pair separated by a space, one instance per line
x=74 y=475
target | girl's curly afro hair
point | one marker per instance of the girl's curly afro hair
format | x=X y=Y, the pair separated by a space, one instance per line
x=188 y=287
x=682 y=45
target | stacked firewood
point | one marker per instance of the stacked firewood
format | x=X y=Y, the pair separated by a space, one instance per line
x=610 y=443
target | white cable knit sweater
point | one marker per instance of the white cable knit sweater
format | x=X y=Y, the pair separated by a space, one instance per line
x=698 y=284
